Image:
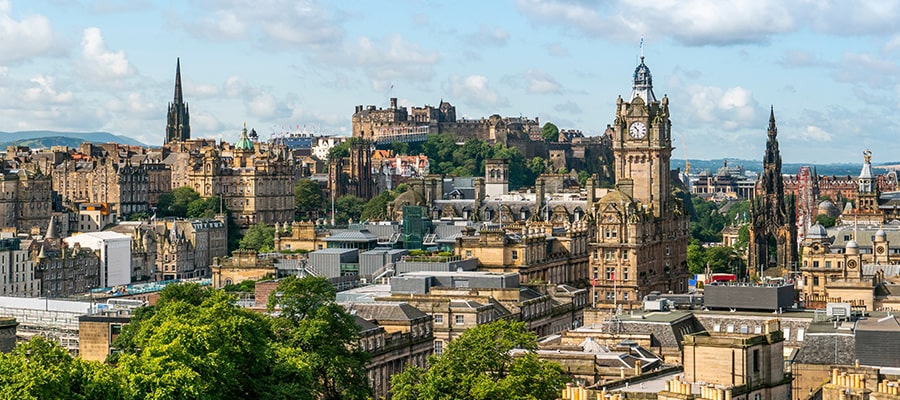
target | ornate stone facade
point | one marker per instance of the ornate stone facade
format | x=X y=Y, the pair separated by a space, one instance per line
x=640 y=230
x=25 y=200
x=773 y=224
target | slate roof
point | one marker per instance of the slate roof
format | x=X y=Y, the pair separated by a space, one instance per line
x=827 y=348
x=387 y=311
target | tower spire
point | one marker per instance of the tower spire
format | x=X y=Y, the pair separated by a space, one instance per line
x=179 y=97
x=772 y=129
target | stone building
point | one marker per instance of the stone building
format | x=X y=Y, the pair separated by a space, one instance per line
x=406 y=339
x=537 y=252
x=92 y=174
x=241 y=266
x=64 y=271
x=187 y=248
x=255 y=181
x=751 y=365
x=773 y=217
x=640 y=230
x=300 y=235
x=18 y=276
x=25 y=200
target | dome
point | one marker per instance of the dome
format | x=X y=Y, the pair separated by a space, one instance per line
x=244 y=143
x=827 y=208
x=817 y=231
x=880 y=235
x=643 y=84
x=851 y=245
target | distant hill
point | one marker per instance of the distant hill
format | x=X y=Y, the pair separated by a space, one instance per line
x=756 y=166
x=46 y=139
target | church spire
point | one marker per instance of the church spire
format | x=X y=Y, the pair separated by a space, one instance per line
x=178 y=121
x=179 y=97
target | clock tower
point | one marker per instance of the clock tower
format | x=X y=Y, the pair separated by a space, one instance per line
x=642 y=143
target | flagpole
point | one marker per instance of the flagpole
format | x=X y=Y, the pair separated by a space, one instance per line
x=615 y=295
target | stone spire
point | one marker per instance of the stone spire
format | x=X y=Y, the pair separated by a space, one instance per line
x=178 y=125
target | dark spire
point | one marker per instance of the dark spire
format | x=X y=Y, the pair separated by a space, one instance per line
x=179 y=98
x=178 y=120
x=772 y=129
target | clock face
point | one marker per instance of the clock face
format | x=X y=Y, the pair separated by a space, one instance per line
x=637 y=130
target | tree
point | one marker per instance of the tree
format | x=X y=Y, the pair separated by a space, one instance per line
x=340 y=150
x=211 y=350
x=696 y=257
x=826 y=221
x=348 y=207
x=376 y=209
x=479 y=365
x=175 y=204
x=319 y=333
x=259 y=237
x=308 y=197
x=550 y=132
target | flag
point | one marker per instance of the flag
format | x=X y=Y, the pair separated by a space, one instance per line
x=593 y=281
x=612 y=276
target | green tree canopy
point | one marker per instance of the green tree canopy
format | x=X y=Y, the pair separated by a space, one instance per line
x=348 y=207
x=479 y=365
x=376 y=209
x=175 y=203
x=308 y=197
x=550 y=132
x=826 y=221
x=316 y=332
x=259 y=237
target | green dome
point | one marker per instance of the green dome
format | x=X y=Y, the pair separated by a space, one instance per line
x=244 y=143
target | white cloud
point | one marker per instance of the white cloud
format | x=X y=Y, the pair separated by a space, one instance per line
x=99 y=62
x=691 y=22
x=24 y=39
x=815 y=133
x=276 y=24
x=44 y=93
x=135 y=106
x=400 y=59
x=730 y=109
x=265 y=106
x=557 y=50
x=475 y=90
x=541 y=82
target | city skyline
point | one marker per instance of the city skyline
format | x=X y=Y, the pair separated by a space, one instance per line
x=828 y=68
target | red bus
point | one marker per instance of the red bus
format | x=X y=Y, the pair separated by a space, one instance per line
x=713 y=278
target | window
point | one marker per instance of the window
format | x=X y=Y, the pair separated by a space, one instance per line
x=815 y=264
x=438 y=347
x=624 y=254
x=515 y=255
x=716 y=328
x=610 y=273
x=610 y=254
x=815 y=281
x=439 y=318
x=827 y=264
x=729 y=328
x=756 y=360
x=787 y=333
x=460 y=319
x=625 y=272
x=625 y=296
x=800 y=332
x=468 y=253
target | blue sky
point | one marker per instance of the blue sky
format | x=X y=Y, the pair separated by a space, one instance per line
x=830 y=68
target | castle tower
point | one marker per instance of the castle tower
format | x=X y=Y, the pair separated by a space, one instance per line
x=773 y=215
x=867 y=210
x=496 y=177
x=178 y=125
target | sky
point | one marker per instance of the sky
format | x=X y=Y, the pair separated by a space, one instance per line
x=829 y=68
